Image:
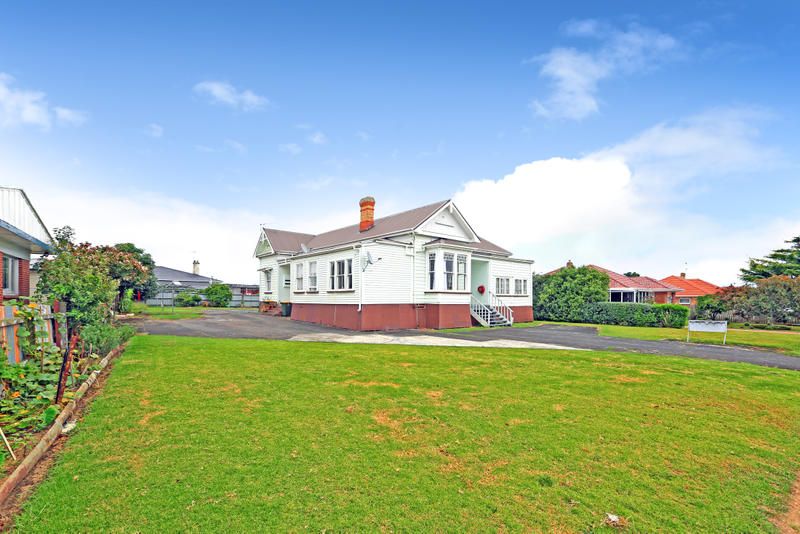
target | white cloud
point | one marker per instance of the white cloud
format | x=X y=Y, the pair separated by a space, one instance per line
x=236 y=146
x=71 y=117
x=155 y=130
x=25 y=107
x=290 y=148
x=618 y=207
x=315 y=185
x=318 y=138
x=224 y=93
x=364 y=136
x=574 y=75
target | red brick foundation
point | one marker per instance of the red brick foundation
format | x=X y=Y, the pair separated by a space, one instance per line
x=24 y=278
x=522 y=314
x=384 y=316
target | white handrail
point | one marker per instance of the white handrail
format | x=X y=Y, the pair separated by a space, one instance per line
x=501 y=307
x=480 y=311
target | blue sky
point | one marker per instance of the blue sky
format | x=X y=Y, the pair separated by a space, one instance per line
x=182 y=127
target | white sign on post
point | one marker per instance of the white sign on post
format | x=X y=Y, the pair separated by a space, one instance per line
x=720 y=327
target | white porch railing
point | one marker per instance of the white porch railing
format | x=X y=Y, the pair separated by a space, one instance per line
x=501 y=308
x=497 y=313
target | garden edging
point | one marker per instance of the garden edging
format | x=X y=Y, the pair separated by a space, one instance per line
x=44 y=444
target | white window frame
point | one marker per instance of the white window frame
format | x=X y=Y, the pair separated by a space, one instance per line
x=461 y=277
x=520 y=286
x=299 y=277
x=432 y=271
x=341 y=275
x=10 y=275
x=449 y=275
x=502 y=282
x=312 y=276
x=687 y=299
x=268 y=281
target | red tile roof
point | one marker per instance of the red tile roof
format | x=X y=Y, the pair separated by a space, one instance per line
x=641 y=283
x=692 y=287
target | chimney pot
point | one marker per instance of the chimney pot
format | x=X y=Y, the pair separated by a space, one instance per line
x=367 y=205
x=195 y=267
x=683 y=275
x=570 y=265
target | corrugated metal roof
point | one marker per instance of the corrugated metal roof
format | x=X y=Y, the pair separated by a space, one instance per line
x=482 y=245
x=166 y=274
x=285 y=241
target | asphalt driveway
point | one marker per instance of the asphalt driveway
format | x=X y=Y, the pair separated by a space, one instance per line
x=586 y=337
x=238 y=323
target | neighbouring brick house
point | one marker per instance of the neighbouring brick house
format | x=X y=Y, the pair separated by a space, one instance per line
x=22 y=233
x=643 y=289
x=692 y=288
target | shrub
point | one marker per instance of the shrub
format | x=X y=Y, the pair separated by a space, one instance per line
x=218 y=295
x=126 y=302
x=187 y=298
x=710 y=306
x=631 y=314
x=105 y=337
x=564 y=294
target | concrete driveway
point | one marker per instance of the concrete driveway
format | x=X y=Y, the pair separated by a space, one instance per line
x=244 y=323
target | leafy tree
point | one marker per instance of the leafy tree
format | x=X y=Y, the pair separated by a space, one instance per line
x=147 y=288
x=710 y=306
x=632 y=274
x=189 y=298
x=86 y=278
x=781 y=262
x=564 y=293
x=218 y=295
x=777 y=298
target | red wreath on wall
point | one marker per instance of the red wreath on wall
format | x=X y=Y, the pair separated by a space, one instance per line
x=481 y=290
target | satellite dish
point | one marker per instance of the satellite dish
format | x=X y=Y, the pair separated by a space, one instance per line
x=370 y=261
x=303 y=247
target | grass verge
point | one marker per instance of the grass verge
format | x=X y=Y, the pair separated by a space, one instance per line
x=167 y=312
x=242 y=435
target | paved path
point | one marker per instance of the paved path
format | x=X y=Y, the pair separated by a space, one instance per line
x=234 y=323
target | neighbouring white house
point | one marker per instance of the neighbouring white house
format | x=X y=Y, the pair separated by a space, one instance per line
x=22 y=233
x=422 y=268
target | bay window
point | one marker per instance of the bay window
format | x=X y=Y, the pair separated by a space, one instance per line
x=432 y=271
x=448 y=271
x=461 y=272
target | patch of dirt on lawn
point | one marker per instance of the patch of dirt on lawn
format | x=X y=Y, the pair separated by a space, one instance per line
x=15 y=502
x=624 y=379
x=789 y=522
x=435 y=395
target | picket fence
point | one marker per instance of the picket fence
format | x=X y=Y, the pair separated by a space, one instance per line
x=9 y=331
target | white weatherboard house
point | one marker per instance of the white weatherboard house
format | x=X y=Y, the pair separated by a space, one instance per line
x=422 y=268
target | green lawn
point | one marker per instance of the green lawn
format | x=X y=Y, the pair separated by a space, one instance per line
x=167 y=312
x=248 y=435
x=786 y=342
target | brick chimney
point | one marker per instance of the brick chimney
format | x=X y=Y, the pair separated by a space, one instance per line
x=683 y=275
x=195 y=267
x=367 y=205
x=570 y=265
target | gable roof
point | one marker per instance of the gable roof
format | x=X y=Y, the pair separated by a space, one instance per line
x=20 y=222
x=645 y=283
x=286 y=242
x=692 y=287
x=283 y=241
x=166 y=274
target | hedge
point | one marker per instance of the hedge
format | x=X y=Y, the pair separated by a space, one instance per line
x=631 y=314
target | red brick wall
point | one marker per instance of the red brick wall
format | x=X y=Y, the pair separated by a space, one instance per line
x=522 y=314
x=24 y=278
x=663 y=298
x=383 y=316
